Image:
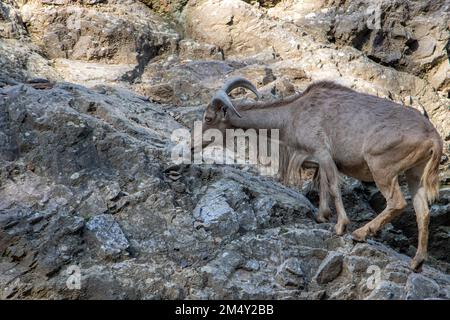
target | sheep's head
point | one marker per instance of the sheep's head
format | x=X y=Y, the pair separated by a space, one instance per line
x=216 y=112
x=216 y=115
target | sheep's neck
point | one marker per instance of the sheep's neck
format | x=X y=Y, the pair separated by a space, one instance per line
x=267 y=118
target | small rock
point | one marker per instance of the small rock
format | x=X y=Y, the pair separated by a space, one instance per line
x=386 y=290
x=330 y=268
x=108 y=234
x=75 y=176
x=251 y=265
x=290 y=274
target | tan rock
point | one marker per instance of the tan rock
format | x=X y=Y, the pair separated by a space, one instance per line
x=115 y=32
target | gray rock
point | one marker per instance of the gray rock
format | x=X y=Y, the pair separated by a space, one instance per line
x=386 y=290
x=420 y=287
x=330 y=268
x=108 y=234
x=214 y=213
x=290 y=274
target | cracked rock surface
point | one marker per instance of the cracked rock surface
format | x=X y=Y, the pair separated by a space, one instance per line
x=90 y=93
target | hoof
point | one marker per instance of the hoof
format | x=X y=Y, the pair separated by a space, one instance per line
x=417 y=263
x=340 y=228
x=359 y=235
x=321 y=219
x=323 y=216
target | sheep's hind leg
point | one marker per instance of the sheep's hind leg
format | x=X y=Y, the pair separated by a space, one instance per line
x=420 y=203
x=395 y=203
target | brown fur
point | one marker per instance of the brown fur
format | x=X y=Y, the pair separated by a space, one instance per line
x=269 y=104
x=328 y=85
x=281 y=102
x=338 y=130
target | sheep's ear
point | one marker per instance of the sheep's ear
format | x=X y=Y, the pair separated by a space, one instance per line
x=216 y=105
x=219 y=108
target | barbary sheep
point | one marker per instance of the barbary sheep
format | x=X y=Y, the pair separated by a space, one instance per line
x=338 y=130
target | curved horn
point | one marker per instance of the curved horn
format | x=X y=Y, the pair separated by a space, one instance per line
x=237 y=82
x=222 y=97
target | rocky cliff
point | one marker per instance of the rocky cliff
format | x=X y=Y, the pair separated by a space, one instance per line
x=91 y=205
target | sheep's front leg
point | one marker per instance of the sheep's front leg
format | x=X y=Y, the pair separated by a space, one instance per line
x=329 y=182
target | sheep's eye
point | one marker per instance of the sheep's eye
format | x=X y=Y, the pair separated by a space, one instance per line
x=208 y=119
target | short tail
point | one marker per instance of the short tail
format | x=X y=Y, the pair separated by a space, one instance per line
x=430 y=176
